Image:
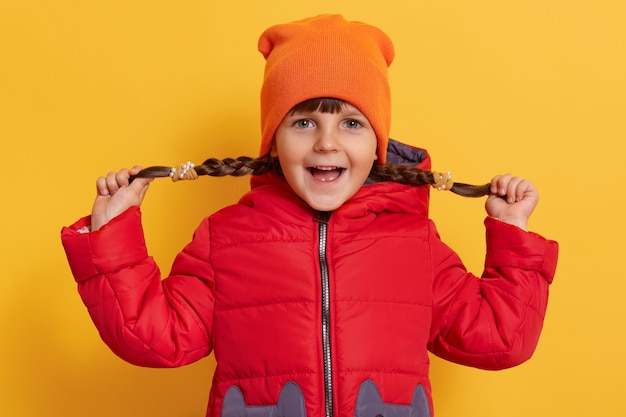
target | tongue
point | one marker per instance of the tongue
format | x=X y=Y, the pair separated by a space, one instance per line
x=325 y=175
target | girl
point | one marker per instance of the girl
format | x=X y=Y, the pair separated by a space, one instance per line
x=322 y=290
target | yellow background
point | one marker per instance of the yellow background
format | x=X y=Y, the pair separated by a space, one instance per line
x=533 y=87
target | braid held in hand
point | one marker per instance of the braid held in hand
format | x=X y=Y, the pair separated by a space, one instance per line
x=405 y=174
x=244 y=165
x=212 y=167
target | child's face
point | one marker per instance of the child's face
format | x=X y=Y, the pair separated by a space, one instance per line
x=325 y=157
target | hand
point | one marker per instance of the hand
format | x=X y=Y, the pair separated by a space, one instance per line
x=115 y=195
x=512 y=200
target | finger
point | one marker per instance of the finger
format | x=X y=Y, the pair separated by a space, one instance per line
x=520 y=189
x=101 y=186
x=135 y=170
x=527 y=188
x=122 y=177
x=143 y=183
x=512 y=190
x=140 y=185
x=111 y=182
x=494 y=184
x=499 y=184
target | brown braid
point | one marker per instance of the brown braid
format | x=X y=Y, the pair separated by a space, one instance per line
x=404 y=174
x=214 y=167
x=244 y=165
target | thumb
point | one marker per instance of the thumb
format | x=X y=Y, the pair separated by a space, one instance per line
x=140 y=187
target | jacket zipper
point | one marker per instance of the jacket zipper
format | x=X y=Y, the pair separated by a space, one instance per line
x=322 y=218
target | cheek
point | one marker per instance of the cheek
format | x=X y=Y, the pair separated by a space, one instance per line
x=373 y=148
x=372 y=151
x=366 y=158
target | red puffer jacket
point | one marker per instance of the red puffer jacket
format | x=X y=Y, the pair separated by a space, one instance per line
x=316 y=314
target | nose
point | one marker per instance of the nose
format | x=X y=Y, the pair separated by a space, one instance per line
x=327 y=141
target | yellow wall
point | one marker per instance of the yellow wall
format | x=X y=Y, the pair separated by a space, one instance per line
x=534 y=87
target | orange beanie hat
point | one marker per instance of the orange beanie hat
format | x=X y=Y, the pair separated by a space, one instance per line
x=326 y=57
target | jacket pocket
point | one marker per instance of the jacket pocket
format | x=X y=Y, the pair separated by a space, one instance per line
x=290 y=404
x=369 y=403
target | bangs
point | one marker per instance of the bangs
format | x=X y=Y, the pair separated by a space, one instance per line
x=323 y=105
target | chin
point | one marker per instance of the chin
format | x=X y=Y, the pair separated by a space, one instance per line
x=325 y=206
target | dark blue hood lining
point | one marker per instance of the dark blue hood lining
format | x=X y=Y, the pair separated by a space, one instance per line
x=400 y=153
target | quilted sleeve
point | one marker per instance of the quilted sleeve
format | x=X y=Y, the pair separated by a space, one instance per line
x=145 y=320
x=492 y=322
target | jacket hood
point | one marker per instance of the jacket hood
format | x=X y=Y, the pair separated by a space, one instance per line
x=375 y=197
x=401 y=153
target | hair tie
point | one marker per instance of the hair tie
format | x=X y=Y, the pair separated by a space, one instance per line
x=183 y=172
x=442 y=181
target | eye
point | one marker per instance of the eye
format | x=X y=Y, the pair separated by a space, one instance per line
x=303 y=123
x=353 y=124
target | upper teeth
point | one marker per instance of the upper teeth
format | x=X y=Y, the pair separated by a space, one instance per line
x=326 y=168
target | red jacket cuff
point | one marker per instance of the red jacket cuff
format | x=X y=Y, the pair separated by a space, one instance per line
x=510 y=246
x=117 y=244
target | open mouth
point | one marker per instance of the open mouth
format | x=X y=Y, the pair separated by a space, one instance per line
x=326 y=174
